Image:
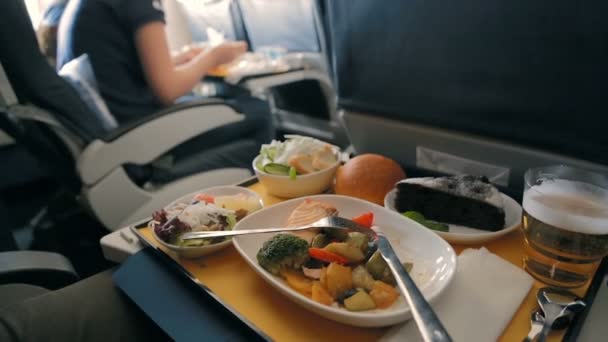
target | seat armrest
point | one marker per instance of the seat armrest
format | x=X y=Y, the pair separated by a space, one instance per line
x=119 y=245
x=149 y=138
x=241 y=80
x=126 y=128
x=219 y=88
x=260 y=83
x=46 y=269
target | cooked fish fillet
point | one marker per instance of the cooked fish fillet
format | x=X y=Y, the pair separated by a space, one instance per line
x=308 y=212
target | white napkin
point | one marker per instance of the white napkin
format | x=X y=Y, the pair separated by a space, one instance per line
x=479 y=303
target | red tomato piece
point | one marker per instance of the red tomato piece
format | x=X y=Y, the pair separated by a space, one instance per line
x=205 y=198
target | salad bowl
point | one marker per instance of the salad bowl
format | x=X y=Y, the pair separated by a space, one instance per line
x=299 y=166
x=303 y=185
x=199 y=251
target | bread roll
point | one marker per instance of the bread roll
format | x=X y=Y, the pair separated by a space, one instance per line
x=369 y=177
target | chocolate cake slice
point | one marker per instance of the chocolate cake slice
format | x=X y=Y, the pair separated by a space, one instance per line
x=463 y=200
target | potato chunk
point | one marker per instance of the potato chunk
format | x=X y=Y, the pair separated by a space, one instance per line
x=338 y=279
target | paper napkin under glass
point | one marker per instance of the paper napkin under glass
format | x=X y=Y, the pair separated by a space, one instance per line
x=479 y=303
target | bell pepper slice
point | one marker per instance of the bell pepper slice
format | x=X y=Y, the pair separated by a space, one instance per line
x=366 y=220
x=323 y=255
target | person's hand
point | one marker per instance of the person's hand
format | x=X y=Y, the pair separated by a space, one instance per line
x=187 y=54
x=191 y=52
x=227 y=52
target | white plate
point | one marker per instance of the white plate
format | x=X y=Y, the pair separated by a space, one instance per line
x=199 y=251
x=434 y=259
x=467 y=235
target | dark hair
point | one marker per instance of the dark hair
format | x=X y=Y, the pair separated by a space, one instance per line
x=47 y=41
x=47 y=30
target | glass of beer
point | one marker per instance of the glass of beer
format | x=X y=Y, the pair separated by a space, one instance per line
x=565 y=224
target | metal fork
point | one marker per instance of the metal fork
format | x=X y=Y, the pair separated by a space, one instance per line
x=536 y=325
x=429 y=325
x=333 y=222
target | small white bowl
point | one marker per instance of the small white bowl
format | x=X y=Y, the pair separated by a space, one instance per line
x=199 y=251
x=304 y=185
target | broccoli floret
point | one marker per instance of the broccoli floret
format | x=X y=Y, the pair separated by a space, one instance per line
x=283 y=251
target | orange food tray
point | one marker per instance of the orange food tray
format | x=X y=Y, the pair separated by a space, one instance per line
x=227 y=274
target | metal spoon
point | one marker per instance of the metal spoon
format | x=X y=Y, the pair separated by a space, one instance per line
x=556 y=311
x=427 y=321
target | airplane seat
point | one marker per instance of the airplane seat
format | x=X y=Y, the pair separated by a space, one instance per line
x=301 y=102
x=25 y=274
x=276 y=23
x=473 y=86
x=106 y=169
x=28 y=274
x=306 y=105
x=221 y=15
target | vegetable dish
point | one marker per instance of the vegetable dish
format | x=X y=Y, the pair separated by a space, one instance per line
x=332 y=267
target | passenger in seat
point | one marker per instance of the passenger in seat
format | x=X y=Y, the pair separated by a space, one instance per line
x=137 y=75
x=126 y=44
x=92 y=309
x=46 y=33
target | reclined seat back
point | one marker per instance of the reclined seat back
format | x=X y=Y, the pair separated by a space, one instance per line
x=290 y=24
x=441 y=86
x=34 y=81
x=42 y=110
x=221 y=15
x=305 y=104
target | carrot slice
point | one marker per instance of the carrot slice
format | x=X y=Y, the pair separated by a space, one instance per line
x=383 y=294
x=320 y=294
x=323 y=255
x=298 y=282
x=366 y=220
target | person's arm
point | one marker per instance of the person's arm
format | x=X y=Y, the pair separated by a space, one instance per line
x=168 y=81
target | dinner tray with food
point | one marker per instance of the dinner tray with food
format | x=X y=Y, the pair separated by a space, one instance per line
x=307 y=286
x=243 y=289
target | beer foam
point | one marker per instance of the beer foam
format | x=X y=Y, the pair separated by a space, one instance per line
x=574 y=206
